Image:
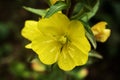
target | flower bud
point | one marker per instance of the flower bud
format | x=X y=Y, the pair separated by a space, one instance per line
x=100 y=32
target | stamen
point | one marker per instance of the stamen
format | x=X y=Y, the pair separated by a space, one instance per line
x=63 y=39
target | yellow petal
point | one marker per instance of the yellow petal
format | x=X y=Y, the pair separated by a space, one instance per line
x=76 y=30
x=47 y=49
x=82 y=44
x=74 y=54
x=99 y=27
x=77 y=36
x=28 y=46
x=54 y=25
x=30 y=30
x=79 y=52
x=65 y=61
x=102 y=37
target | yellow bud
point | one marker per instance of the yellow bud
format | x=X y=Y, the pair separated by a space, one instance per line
x=37 y=65
x=82 y=73
x=53 y=1
x=100 y=32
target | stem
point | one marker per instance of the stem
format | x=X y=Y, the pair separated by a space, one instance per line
x=68 y=2
x=71 y=3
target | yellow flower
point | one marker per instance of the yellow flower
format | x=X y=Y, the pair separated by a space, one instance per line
x=57 y=39
x=100 y=32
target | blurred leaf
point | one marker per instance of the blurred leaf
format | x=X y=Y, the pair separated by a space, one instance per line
x=58 y=6
x=86 y=16
x=90 y=35
x=26 y=74
x=95 y=54
x=7 y=48
x=4 y=31
x=17 y=68
x=39 y=12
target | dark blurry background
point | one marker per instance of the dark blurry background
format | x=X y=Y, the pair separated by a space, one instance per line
x=14 y=62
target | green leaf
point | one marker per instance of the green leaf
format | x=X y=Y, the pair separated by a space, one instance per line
x=39 y=12
x=90 y=35
x=58 y=6
x=78 y=10
x=95 y=54
x=87 y=16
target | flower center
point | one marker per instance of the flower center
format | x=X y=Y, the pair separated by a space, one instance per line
x=63 y=39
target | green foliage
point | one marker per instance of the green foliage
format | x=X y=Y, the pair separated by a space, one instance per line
x=90 y=35
x=58 y=6
x=85 y=12
x=4 y=31
x=88 y=15
x=95 y=54
x=39 y=12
